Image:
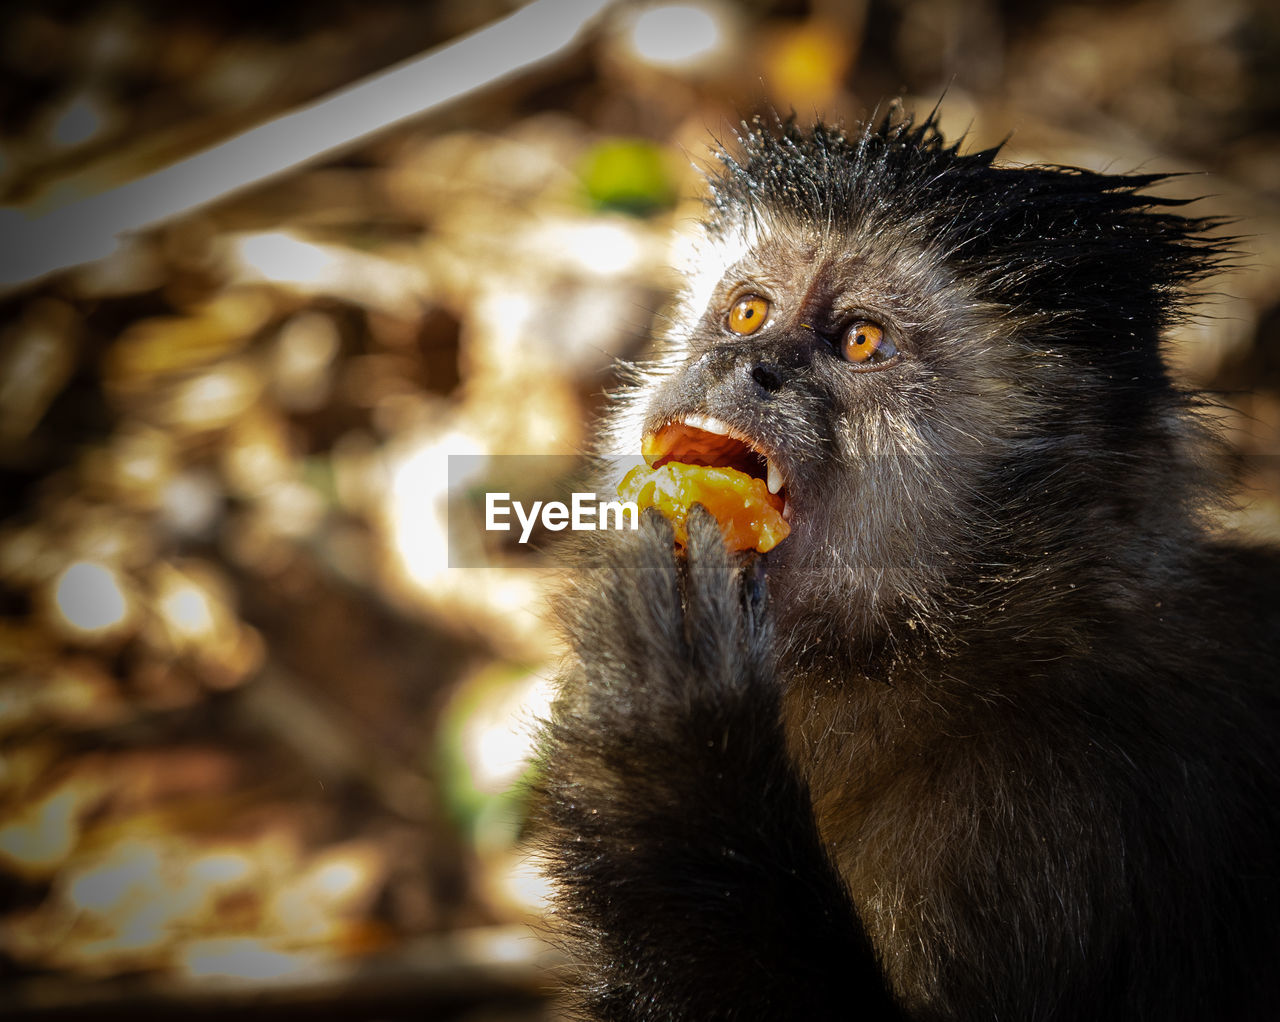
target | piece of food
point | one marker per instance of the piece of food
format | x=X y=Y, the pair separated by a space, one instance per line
x=749 y=515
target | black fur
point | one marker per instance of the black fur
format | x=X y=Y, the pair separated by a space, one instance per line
x=1001 y=741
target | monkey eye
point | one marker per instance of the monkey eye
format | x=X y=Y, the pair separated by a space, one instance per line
x=866 y=343
x=748 y=314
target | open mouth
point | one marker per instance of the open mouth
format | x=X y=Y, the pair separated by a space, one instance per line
x=702 y=440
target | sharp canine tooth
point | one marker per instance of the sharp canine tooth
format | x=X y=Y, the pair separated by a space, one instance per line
x=775 y=477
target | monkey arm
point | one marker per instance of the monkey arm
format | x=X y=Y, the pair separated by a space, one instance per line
x=691 y=878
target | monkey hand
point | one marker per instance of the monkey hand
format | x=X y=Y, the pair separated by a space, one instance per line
x=668 y=805
x=658 y=632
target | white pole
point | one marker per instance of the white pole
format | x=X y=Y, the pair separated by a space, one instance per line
x=35 y=244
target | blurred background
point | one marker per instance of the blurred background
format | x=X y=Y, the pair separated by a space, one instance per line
x=260 y=744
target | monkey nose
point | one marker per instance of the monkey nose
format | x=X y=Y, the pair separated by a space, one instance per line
x=767 y=377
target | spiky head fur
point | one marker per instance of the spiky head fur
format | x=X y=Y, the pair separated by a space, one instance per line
x=1092 y=257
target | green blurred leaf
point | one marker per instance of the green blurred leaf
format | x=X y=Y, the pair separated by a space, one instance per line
x=630 y=175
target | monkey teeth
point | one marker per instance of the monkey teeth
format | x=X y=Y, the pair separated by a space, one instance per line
x=709 y=425
x=774 y=480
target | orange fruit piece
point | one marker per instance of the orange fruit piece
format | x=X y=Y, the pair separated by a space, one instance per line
x=749 y=515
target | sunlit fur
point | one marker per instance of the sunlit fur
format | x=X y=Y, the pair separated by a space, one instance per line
x=1008 y=704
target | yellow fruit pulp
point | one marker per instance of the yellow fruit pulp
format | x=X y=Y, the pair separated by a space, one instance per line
x=749 y=515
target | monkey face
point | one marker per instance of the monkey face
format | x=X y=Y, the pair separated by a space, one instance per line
x=863 y=384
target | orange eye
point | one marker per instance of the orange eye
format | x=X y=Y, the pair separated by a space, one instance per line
x=866 y=343
x=748 y=314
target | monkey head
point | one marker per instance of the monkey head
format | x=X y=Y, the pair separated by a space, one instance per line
x=947 y=367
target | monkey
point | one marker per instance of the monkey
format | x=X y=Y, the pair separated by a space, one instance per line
x=992 y=734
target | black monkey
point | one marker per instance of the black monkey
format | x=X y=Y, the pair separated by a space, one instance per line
x=995 y=733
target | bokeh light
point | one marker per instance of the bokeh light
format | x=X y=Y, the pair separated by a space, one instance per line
x=91 y=599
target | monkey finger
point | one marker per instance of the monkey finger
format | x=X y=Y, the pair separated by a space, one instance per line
x=755 y=598
x=714 y=618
